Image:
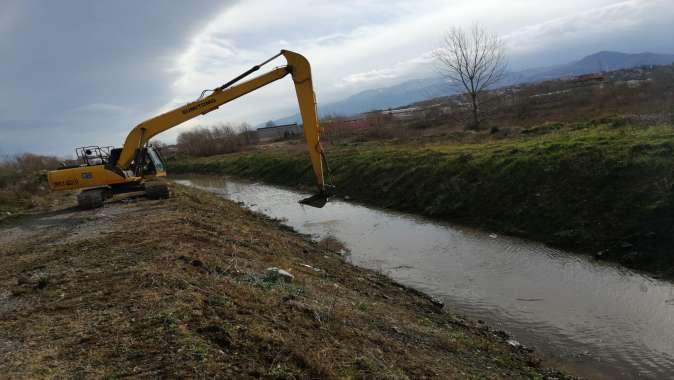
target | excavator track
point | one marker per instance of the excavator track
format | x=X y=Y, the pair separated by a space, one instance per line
x=156 y=190
x=92 y=198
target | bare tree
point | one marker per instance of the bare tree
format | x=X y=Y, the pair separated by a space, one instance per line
x=473 y=62
x=248 y=134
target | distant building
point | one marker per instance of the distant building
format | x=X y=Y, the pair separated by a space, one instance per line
x=279 y=132
x=402 y=113
x=168 y=150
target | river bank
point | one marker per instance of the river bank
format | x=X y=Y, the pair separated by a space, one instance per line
x=180 y=287
x=603 y=189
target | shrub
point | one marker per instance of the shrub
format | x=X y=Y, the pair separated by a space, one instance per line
x=23 y=178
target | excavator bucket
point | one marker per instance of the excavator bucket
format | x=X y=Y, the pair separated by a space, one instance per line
x=318 y=200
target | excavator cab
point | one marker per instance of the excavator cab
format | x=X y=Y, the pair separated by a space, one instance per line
x=148 y=162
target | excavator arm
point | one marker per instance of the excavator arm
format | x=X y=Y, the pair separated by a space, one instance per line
x=300 y=70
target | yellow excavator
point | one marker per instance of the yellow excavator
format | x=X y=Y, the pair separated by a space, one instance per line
x=101 y=172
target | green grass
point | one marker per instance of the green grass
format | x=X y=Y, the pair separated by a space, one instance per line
x=585 y=186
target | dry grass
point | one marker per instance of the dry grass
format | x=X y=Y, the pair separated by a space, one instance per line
x=177 y=288
x=23 y=183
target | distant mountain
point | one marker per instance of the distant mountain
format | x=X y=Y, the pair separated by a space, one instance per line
x=416 y=90
x=404 y=93
x=407 y=92
x=597 y=62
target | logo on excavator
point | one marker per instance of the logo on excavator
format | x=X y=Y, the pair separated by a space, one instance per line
x=198 y=106
x=87 y=175
x=68 y=182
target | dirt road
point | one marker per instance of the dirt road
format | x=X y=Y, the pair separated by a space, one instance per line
x=180 y=288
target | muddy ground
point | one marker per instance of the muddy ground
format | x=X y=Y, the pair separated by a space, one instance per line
x=179 y=288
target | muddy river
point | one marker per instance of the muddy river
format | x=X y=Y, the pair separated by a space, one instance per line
x=586 y=317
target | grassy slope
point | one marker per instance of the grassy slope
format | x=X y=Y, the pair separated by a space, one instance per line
x=589 y=187
x=184 y=294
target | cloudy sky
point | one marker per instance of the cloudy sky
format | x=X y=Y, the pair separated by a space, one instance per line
x=80 y=72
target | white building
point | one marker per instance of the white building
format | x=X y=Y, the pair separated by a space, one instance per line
x=279 y=132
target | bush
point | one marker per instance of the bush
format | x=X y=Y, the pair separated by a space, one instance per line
x=208 y=141
x=23 y=178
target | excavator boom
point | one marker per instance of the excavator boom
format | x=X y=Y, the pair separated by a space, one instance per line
x=300 y=70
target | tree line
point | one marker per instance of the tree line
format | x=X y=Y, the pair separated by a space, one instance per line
x=217 y=139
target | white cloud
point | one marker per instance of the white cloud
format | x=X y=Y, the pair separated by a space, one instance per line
x=589 y=23
x=372 y=75
x=419 y=66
